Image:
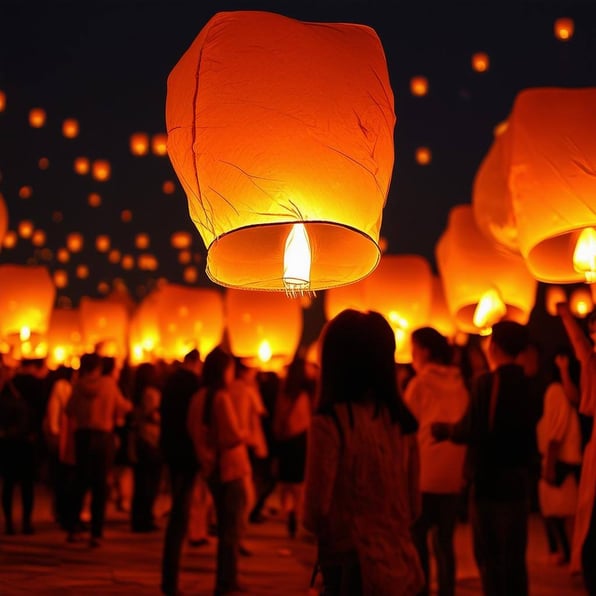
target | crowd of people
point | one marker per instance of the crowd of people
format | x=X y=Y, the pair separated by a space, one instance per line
x=377 y=462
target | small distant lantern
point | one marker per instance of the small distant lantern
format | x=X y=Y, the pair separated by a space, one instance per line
x=159 y=144
x=74 y=242
x=190 y=274
x=261 y=324
x=139 y=143
x=101 y=170
x=81 y=165
x=168 y=187
x=25 y=192
x=10 y=239
x=479 y=279
x=37 y=117
x=181 y=240
x=82 y=271
x=126 y=215
x=554 y=295
x=552 y=181
x=57 y=216
x=102 y=243
x=423 y=156
x=103 y=287
x=480 y=62
x=38 y=238
x=94 y=199
x=278 y=141
x=25 y=228
x=419 y=86
x=2 y=101
x=184 y=257
x=127 y=262
x=147 y=262
x=114 y=256
x=62 y=255
x=104 y=321
x=60 y=278
x=142 y=241
x=43 y=163
x=70 y=128
x=564 y=28
x=580 y=302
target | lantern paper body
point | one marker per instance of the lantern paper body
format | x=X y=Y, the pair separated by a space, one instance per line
x=470 y=265
x=491 y=199
x=338 y=299
x=400 y=289
x=552 y=178
x=440 y=318
x=27 y=294
x=272 y=121
x=256 y=319
x=104 y=324
x=143 y=333
x=189 y=318
x=64 y=337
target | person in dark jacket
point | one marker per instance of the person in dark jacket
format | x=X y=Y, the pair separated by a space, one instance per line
x=180 y=460
x=499 y=428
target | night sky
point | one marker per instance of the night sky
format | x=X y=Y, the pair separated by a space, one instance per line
x=106 y=63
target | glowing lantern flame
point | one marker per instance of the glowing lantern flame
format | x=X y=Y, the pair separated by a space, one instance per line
x=584 y=255
x=25 y=334
x=489 y=310
x=264 y=351
x=580 y=302
x=564 y=28
x=297 y=260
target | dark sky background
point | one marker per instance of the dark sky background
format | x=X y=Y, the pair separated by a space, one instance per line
x=106 y=63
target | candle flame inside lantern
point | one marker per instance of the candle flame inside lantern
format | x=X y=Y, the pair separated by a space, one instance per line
x=264 y=351
x=584 y=255
x=489 y=310
x=297 y=260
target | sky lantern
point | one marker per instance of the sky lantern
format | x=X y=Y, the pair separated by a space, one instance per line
x=114 y=256
x=184 y=257
x=38 y=238
x=147 y=262
x=189 y=318
x=104 y=322
x=190 y=274
x=142 y=241
x=554 y=295
x=342 y=297
x=423 y=156
x=168 y=187
x=419 y=86
x=159 y=144
x=127 y=262
x=94 y=199
x=181 y=240
x=70 y=128
x=82 y=271
x=2 y=101
x=480 y=62
x=10 y=239
x=64 y=337
x=139 y=143
x=102 y=243
x=564 y=28
x=37 y=117
x=400 y=289
x=25 y=192
x=27 y=295
x=285 y=151
x=101 y=170
x=482 y=283
x=491 y=197
x=60 y=278
x=62 y=255
x=581 y=302
x=264 y=328
x=126 y=215
x=25 y=228
x=74 y=242
x=43 y=163
x=552 y=181
x=82 y=165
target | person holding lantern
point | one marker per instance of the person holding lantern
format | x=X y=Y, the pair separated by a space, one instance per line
x=583 y=547
x=361 y=486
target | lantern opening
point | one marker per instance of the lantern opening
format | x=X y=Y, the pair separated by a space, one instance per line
x=584 y=255
x=297 y=260
x=489 y=310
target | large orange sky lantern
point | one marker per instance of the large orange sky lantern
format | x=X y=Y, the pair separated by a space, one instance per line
x=281 y=133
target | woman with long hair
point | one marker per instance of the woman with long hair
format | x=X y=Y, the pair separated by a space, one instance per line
x=223 y=456
x=361 y=488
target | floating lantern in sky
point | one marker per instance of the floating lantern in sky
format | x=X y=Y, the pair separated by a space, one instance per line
x=37 y=117
x=294 y=128
x=25 y=228
x=38 y=238
x=126 y=215
x=159 y=144
x=81 y=165
x=480 y=62
x=10 y=239
x=70 y=128
x=64 y=338
x=400 y=289
x=62 y=255
x=139 y=143
x=564 y=28
x=147 y=262
x=168 y=187
x=181 y=240
x=419 y=86
x=114 y=256
x=190 y=274
x=82 y=271
x=184 y=257
x=74 y=242
x=580 y=302
x=475 y=271
x=142 y=241
x=552 y=181
x=2 y=101
x=554 y=295
x=102 y=243
x=94 y=199
x=264 y=328
x=423 y=156
x=60 y=277
x=127 y=262
x=43 y=163
x=25 y=192
x=101 y=170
